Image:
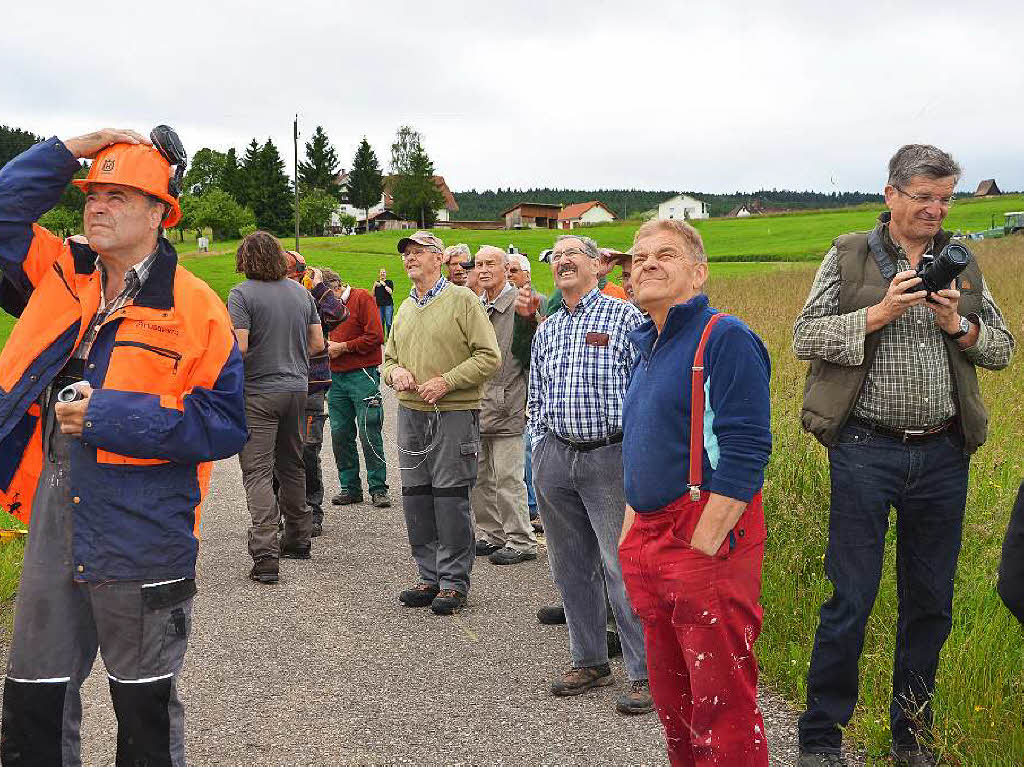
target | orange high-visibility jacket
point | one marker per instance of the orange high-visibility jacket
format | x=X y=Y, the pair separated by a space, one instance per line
x=167 y=377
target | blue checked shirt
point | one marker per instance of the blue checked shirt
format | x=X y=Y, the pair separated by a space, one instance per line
x=438 y=287
x=580 y=368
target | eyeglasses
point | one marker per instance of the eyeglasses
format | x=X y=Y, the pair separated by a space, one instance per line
x=926 y=199
x=557 y=254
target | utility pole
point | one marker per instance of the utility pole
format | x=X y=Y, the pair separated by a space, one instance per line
x=295 y=136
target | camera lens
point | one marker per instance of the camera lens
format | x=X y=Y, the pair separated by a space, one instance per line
x=939 y=272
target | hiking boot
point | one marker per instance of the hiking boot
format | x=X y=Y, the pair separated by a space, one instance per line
x=551 y=615
x=380 y=500
x=485 y=547
x=448 y=601
x=318 y=529
x=510 y=556
x=264 y=570
x=297 y=552
x=420 y=595
x=577 y=681
x=614 y=644
x=913 y=757
x=538 y=526
x=820 y=760
x=636 y=700
x=346 y=497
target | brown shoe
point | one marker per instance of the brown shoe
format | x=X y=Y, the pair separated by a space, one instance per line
x=636 y=700
x=577 y=681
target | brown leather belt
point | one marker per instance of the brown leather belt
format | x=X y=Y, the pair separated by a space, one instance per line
x=904 y=435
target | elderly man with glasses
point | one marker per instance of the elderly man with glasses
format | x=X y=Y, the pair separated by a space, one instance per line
x=893 y=393
x=440 y=353
x=581 y=365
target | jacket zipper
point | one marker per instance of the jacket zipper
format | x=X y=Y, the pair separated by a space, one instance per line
x=158 y=350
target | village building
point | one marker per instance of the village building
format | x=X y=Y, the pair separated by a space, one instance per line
x=584 y=214
x=740 y=211
x=683 y=207
x=381 y=215
x=987 y=188
x=531 y=215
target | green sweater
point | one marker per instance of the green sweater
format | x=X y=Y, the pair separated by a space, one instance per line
x=450 y=337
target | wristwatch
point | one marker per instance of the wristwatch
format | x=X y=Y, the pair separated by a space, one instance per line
x=965 y=328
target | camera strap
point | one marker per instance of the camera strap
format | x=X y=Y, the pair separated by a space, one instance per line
x=885 y=263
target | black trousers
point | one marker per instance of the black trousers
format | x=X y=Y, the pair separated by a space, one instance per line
x=1011 y=568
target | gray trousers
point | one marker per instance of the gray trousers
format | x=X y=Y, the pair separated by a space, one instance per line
x=275 y=449
x=499 y=497
x=582 y=503
x=435 y=492
x=312 y=444
x=141 y=628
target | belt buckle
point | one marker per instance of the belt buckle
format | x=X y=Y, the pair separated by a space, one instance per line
x=911 y=433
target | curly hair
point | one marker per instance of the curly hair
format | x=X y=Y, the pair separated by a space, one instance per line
x=261 y=257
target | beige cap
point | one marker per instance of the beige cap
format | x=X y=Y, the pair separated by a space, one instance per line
x=425 y=239
x=615 y=256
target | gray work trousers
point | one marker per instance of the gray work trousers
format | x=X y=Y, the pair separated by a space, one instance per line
x=275 y=448
x=582 y=503
x=141 y=629
x=435 y=492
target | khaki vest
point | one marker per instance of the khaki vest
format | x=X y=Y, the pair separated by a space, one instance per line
x=831 y=390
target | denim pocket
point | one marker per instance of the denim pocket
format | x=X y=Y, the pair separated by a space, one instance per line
x=852 y=436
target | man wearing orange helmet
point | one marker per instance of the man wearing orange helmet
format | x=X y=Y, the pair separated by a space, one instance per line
x=119 y=384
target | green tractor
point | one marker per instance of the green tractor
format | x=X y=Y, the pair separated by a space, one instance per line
x=1014 y=223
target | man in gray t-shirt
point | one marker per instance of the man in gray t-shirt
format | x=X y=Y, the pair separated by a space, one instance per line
x=277 y=315
x=277 y=327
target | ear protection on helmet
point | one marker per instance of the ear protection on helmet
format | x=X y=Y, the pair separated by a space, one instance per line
x=166 y=141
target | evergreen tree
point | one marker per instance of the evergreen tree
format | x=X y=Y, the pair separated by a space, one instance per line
x=415 y=194
x=248 y=176
x=267 y=189
x=231 y=177
x=365 y=182
x=320 y=170
x=14 y=141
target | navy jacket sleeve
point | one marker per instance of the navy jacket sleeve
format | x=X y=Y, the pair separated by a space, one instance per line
x=330 y=308
x=30 y=185
x=738 y=370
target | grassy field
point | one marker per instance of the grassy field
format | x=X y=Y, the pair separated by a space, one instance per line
x=981 y=678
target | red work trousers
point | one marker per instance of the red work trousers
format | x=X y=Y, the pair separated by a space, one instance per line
x=701 y=616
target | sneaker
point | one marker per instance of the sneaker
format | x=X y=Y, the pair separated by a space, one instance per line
x=448 y=601
x=485 y=547
x=913 y=757
x=346 y=497
x=510 y=556
x=577 y=681
x=637 y=700
x=538 y=526
x=551 y=615
x=614 y=644
x=264 y=570
x=297 y=552
x=420 y=595
x=380 y=500
x=807 y=759
x=318 y=529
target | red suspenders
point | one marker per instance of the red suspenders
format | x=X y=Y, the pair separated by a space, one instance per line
x=697 y=412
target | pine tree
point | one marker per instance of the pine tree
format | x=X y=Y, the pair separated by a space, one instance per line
x=267 y=188
x=365 y=182
x=320 y=171
x=231 y=177
x=415 y=194
x=248 y=176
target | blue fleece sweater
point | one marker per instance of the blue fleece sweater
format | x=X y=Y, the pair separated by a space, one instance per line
x=656 y=410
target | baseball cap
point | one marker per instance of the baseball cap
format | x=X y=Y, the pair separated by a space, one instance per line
x=420 y=238
x=615 y=256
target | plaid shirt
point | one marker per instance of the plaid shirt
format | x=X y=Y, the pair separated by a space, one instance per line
x=910 y=384
x=580 y=369
x=133 y=281
x=430 y=294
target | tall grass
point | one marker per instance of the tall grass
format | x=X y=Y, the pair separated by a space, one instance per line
x=980 y=693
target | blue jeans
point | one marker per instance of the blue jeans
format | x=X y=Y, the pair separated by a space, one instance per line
x=531 y=497
x=386 y=313
x=926 y=482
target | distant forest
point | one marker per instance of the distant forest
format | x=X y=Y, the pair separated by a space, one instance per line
x=488 y=204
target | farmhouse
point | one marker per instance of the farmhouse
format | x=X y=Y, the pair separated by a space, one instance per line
x=381 y=214
x=584 y=214
x=531 y=215
x=987 y=188
x=740 y=211
x=682 y=206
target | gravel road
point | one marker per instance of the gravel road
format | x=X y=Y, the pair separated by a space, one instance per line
x=327 y=668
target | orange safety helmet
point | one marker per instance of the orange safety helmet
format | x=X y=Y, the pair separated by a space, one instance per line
x=139 y=166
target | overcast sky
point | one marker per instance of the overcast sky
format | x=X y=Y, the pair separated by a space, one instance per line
x=657 y=95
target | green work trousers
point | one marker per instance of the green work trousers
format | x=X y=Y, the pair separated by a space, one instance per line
x=354 y=405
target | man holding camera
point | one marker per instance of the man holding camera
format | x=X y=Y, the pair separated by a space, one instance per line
x=893 y=393
x=113 y=479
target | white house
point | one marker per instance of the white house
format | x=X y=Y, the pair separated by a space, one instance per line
x=443 y=214
x=684 y=207
x=584 y=214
